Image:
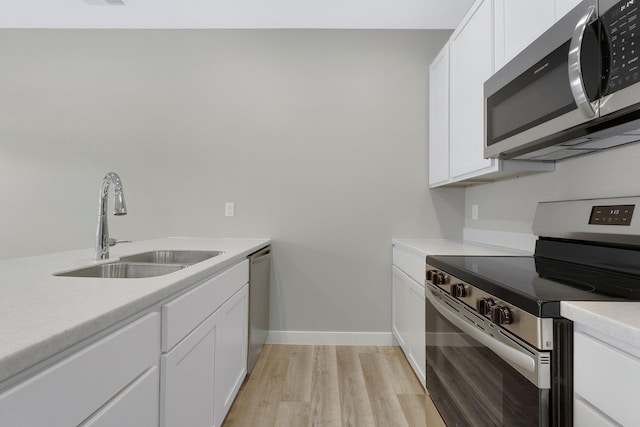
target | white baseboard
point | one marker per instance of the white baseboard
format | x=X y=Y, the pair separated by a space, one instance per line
x=520 y=241
x=331 y=338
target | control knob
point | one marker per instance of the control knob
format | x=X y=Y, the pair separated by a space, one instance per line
x=501 y=315
x=457 y=290
x=431 y=274
x=438 y=278
x=483 y=305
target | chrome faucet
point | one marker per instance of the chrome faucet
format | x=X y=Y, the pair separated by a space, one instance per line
x=119 y=208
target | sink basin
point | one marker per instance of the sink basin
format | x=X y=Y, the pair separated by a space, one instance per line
x=124 y=270
x=172 y=257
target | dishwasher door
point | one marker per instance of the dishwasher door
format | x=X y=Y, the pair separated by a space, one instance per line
x=259 y=278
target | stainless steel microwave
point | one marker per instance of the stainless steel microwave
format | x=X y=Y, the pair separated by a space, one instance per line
x=574 y=90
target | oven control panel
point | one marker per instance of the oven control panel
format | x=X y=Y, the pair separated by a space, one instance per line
x=534 y=330
x=497 y=311
x=612 y=215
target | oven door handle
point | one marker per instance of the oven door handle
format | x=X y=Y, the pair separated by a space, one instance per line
x=509 y=354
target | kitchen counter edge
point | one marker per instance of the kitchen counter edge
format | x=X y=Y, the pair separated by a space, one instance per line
x=42 y=315
x=424 y=247
x=617 y=323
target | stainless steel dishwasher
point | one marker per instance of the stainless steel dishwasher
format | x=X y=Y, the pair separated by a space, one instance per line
x=259 y=284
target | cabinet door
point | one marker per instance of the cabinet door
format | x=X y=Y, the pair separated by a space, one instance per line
x=231 y=351
x=182 y=314
x=586 y=415
x=135 y=406
x=517 y=24
x=75 y=388
x=187 y=379
x=607 y=378
x=439 y=119
x=564 y=6
x=417 y=350
x=471 y=65
x=400 y=300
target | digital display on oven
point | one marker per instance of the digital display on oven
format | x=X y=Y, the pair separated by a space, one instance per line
x=611 y=215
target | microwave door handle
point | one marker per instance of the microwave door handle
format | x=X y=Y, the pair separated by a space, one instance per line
x=510 y=355
x=575 y=68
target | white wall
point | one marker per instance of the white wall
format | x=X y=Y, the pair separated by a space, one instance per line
x=319 y=137
x=336 y=14
x=510 y=205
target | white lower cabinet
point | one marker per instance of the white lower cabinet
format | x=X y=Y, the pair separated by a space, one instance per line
x=201 y=376
x=408 y=309
x=417 y=349
x=135 y=406
x=408 y=320
x=188 y=378
x=400 y=297
x=230 y=352
x=97 y=384
x=202 y=373
x=184 y=369
x=605 y=383
x=585 y=414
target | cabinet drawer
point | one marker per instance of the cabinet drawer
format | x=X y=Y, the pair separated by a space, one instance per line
x=586 y=415
x=183 y=314
x=411 y=264
x=135 y=406
x=72 y=390
x=606 y=378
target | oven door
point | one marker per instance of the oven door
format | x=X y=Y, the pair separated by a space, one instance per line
x=479 y=375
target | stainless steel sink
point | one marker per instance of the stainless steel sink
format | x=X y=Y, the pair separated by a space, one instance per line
x=172 y=257
x=124 y=270
x=145 y=264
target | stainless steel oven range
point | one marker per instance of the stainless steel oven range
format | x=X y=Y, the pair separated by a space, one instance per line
x=498 y=351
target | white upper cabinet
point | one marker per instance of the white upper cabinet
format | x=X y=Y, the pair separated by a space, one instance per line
x=471 y=64
x=518 y=23
x=456 y=94
x=439 y=118
x=564 y=6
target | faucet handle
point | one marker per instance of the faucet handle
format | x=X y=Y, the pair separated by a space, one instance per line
x=113 y=242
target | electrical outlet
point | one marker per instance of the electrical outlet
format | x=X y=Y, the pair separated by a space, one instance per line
x=474 y=211
x=229 y=209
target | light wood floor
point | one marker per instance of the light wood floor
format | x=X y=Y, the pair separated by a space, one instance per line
x=295 y=385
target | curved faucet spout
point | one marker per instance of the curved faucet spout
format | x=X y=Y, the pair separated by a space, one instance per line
x=119 y=208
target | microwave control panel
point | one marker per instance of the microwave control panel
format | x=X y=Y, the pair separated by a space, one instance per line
x=621 y=24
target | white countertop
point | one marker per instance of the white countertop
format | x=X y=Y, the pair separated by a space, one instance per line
x=424 y=247
x=617 y=320
x=42 y=314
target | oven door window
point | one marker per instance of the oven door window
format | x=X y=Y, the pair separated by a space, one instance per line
x=472 y=386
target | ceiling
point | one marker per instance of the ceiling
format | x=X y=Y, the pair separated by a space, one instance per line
x=338 y=14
